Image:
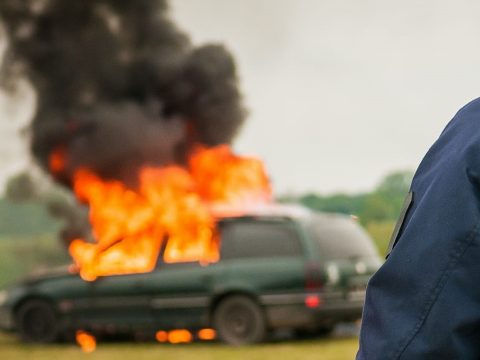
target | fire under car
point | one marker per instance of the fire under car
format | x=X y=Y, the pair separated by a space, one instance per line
x=284 y=268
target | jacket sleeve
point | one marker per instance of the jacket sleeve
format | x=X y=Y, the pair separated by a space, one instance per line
x=424 y=302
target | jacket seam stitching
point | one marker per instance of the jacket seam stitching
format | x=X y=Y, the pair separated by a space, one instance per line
x=455 y=255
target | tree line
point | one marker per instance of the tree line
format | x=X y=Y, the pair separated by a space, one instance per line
x=381 y=204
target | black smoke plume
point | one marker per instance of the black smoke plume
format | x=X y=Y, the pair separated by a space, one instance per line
x=118 y=84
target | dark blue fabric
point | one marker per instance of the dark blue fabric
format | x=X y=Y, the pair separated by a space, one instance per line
x=424 y=302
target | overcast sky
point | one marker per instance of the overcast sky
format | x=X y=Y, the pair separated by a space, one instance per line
x=340 y=92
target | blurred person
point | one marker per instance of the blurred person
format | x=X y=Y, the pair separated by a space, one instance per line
x=424 y=302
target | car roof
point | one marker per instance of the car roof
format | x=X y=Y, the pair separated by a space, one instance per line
x=276 y=211
x=264 y=211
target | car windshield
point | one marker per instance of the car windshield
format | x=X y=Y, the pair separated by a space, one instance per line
x=340 y=237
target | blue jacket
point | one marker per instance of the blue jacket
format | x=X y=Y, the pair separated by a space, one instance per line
x=424 y=302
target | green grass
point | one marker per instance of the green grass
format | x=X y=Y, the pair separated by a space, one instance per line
x=322 y=349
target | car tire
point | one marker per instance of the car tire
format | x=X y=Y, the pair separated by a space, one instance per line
x=37 y=322
x=239 y=320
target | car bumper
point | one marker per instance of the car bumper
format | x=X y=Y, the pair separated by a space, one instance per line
x=298 y=312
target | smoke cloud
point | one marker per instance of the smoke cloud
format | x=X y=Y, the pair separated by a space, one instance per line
x=118 y=84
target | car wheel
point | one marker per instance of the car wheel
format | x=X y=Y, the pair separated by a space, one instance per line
x=239 y=321
x=36 y=322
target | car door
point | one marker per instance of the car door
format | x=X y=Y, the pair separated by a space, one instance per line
x=121 y=301
x=180 y=294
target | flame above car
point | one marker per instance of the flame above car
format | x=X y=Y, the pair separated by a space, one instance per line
x=174 y=207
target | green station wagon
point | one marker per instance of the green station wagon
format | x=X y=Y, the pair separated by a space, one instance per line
x=282 y=268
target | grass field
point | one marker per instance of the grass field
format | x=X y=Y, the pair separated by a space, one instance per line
x=321 y=349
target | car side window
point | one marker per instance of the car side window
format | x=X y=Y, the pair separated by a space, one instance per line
x=257 y=239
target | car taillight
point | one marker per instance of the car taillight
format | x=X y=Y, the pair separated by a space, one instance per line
x=313 y=301
x=314 y=278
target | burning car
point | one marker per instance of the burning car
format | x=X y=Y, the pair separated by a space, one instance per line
x=281 y=267
x=141 y=133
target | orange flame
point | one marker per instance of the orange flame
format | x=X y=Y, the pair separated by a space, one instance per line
x=176 y=336
x=179 y=336
x=207 y=334
x=86 y=341
x=172 y=205
x=161 y=336
x=225 y=178
x=57 y=160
